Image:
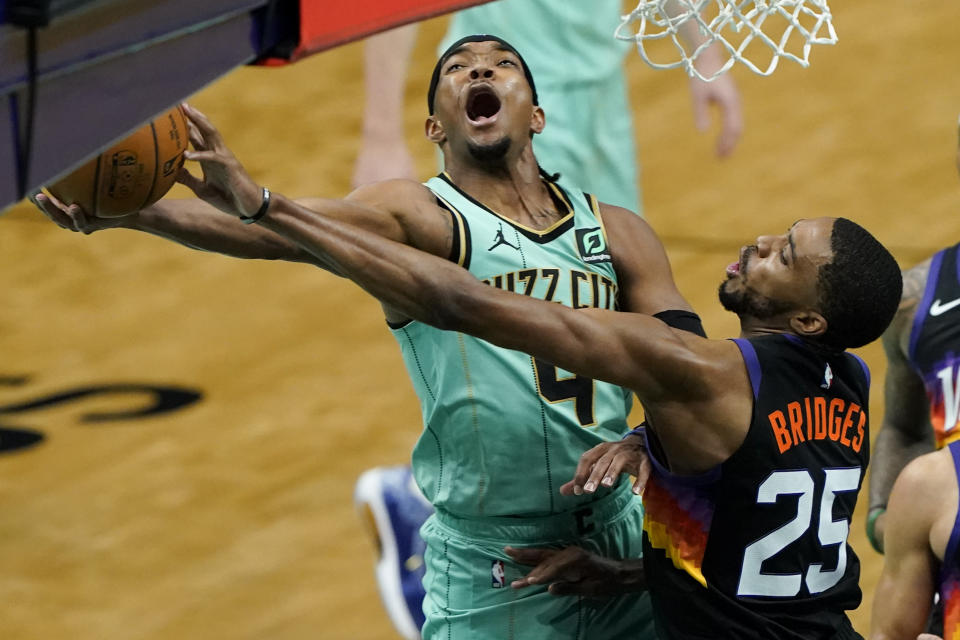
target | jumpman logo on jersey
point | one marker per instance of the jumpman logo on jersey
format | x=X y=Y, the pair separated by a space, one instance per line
x=499 y=240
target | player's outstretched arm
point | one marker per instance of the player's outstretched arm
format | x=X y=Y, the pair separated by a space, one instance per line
x=198 y=225
x=396 y=209
x=904 y=594
x=632 y=350
x=906 y=431
x=192 y=223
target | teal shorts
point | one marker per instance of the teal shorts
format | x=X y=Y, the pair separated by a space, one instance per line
x=468 y=576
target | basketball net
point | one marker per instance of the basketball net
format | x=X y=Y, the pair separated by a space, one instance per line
x=755 y=33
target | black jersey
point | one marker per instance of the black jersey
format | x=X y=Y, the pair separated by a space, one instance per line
x=757 y=547
x=934 y=349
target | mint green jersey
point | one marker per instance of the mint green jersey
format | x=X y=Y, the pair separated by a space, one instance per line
x=503 y=430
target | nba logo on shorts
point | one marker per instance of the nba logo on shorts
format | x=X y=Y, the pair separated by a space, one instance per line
x=498 y=574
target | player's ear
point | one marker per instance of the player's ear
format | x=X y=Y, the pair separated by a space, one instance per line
x=808 y=323
x=538 y=119
x=433 y=129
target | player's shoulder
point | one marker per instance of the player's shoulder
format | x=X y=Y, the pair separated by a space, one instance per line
x=394 y=192
x=626 y=229
x=925 y=476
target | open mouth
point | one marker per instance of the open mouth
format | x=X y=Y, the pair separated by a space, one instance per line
x=740 y=266
x=482 y=104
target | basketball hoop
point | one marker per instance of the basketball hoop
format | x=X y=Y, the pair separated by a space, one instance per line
x=755 y=33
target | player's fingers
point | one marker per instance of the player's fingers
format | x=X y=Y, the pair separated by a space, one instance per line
x=545 y=573
x=585 y=467
x=562 y=566
x=210 y=133
x=641 y=480
x=569 y=488
x=196 y=138
x=623 y=462
x=73 y=211
x=46 y=204
x=189 y=180
x=205 y=156
x=521 y=583
x=701 y=110
x=732 y=127
x=83 y=221
x=600 y=472
x=529 y=556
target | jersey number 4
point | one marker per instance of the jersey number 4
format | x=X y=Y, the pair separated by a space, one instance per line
x=557 y=389
x=753 y=581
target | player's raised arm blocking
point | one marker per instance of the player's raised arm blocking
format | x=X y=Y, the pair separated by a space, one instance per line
x=782 y=409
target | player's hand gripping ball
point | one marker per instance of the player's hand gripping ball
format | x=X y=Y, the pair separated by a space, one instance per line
x=132 y=174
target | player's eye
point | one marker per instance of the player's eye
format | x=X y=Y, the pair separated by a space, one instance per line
x=456 y=66
x=783 y=256
x=507 y=62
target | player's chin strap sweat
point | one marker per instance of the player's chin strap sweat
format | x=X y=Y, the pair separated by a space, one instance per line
x=678 y=319
x=484 y=37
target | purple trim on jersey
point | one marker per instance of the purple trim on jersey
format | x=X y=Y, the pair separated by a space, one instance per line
x=950 y=553
x=958 y=263
x=753 y=363
x=866 y=369
x=707 y=477
x=920 y=315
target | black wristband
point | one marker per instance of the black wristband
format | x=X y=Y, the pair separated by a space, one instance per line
x=872 y=515
x=262 y=211
x=684 y=320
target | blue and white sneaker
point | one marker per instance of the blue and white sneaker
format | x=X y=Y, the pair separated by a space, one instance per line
x=391 y=504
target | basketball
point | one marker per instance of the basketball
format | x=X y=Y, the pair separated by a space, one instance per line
x=132 y=174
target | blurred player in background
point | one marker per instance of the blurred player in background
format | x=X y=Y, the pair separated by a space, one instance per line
x=922 y=405
x=503 y=431
x=579 y=67
x=922 y=401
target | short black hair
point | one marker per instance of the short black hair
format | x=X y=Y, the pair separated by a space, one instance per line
x=479 y=37
x=859 y=289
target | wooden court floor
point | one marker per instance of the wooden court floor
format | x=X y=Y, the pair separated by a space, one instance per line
x=232 y=517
